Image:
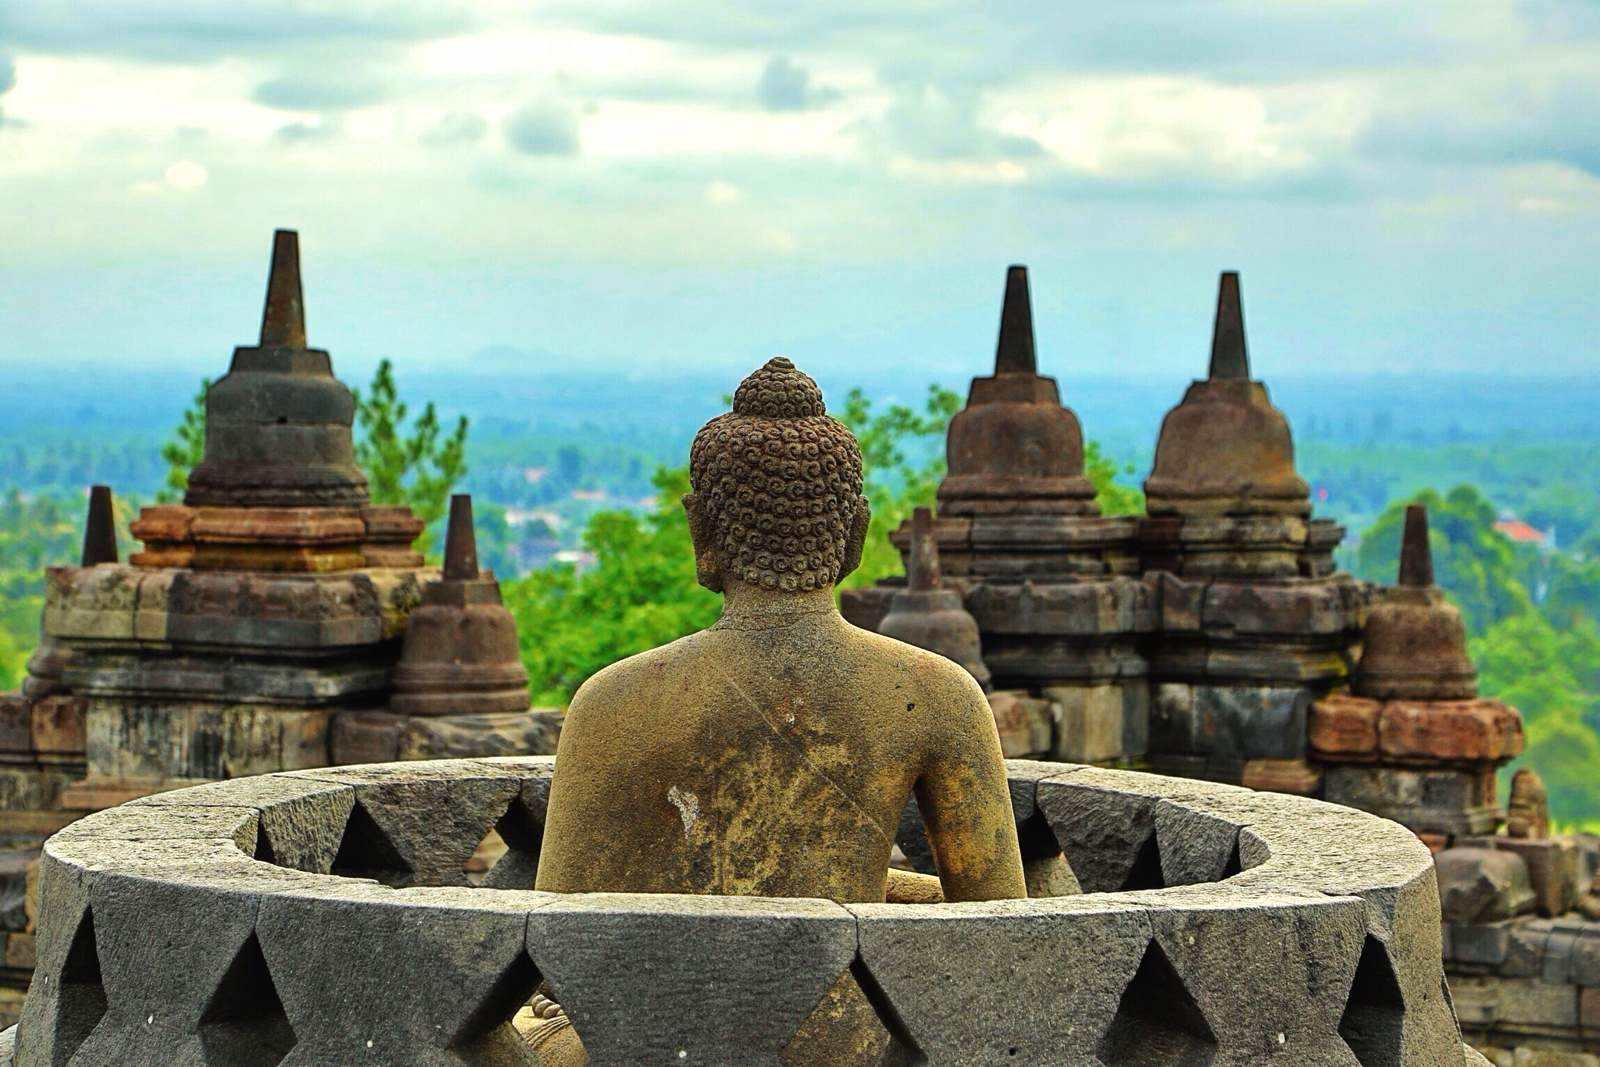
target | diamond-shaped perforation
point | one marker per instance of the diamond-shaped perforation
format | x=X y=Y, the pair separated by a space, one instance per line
x=1158 y=1023
x=519 y=833
x=1374 y=1016
x=1235 y=864
x=489 y=1020
x=244 y=1024
x=1146 y=870
x=81 y=998
x=853 y=1023
x=365 y=851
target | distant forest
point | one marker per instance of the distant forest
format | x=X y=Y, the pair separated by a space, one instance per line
x=576 y=484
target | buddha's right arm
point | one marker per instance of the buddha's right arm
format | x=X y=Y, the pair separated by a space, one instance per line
x=966 y=803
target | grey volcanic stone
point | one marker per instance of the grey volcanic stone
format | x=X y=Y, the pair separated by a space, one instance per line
x=1482 y=885
x=414 y=976
x=1195 y=847
x=418 y=824
x=301 y=821
x=985 y=982
x=1270 y=974
x=670 y=979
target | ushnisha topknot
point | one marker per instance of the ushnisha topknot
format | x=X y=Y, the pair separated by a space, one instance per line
x=779 y=482
x=779 y=390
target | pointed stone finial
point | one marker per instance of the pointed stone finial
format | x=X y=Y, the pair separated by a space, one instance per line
x=1014 y=354
x=100 y=532
x=461 y=541
x=283 y=323
x=923 y=573
x=1416 y=556
x=1229 y=360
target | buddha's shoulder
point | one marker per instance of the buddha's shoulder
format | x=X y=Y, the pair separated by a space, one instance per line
x=639 y=675
x=926 y=671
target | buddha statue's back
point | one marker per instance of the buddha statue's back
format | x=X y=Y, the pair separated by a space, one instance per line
x=772 y=754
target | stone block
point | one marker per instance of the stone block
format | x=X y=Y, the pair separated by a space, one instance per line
x=1287 y=609
x=1173 y=727
x=661 y=978
x=1026 y=724
x=932 y=962
x=423 y=976
x=1554 y=869
x=364 y=736
x=1480 y=944
x=1451 y=802
x=1182 y=603
x=57 y=725
x=128 y=739
x=16 y=729
x=1449 y=730
x=14 y=867
x=1249 y=722
x=517 y=733
x=1478 y=885
x=1281 y=776
x=91 y=603
x=1273 y=982
x=20 y=950
x=301 y=822
x=1586 y=957
x=1089 y=722
x=1532 y=1002
x=1344 y=727
x=418 y=825
x=1525 y=952
x=1589 y=1008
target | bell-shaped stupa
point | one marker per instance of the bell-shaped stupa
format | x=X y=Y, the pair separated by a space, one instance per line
x=1225 y=450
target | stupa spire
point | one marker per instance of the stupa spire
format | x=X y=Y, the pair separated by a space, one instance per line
x=1416 y=555
x=461 y=541
x=923 y=573
x=283 y=322
x=1014 y=353
x=1229 y=359
x=100 y=532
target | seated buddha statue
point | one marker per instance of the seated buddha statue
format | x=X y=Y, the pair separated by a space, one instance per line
x=773 y=753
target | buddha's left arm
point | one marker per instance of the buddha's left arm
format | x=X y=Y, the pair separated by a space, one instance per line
x=966 y=804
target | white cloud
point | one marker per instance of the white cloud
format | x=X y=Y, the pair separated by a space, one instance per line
x=184 y=176
x=722 y=192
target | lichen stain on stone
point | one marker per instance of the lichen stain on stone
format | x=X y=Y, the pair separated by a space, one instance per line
x=688 y=806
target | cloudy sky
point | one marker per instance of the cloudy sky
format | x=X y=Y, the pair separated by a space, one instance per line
x=645 y=185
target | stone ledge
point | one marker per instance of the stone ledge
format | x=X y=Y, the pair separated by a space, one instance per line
x=1254 y=928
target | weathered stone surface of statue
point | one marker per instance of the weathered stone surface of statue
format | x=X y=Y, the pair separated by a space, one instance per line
x=930 y=616
x=773 y=754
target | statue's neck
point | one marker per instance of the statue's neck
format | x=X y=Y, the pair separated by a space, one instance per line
x=750 y=607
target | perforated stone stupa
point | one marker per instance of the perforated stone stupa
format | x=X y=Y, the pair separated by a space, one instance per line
x=259 y=627
x=1193 y=638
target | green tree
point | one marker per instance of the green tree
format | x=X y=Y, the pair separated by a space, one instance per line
x=1553 y=677
x=902 y=464
x=640 y=592
x=185 y=448
x=416 y=465
x=1113 y=497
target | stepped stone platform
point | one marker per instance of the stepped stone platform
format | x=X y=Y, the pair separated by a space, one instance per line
x=327 y=916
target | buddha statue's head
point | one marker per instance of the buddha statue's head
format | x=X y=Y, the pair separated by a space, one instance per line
x=775 y=499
